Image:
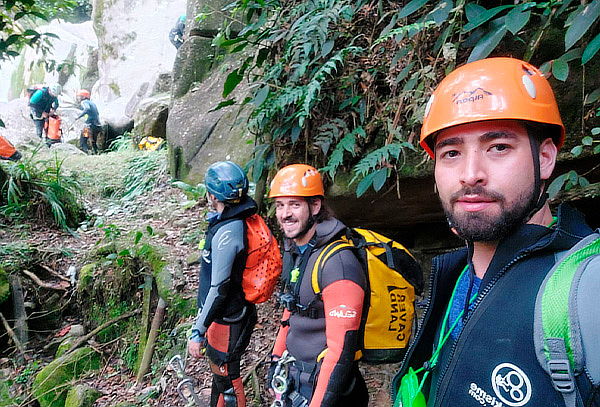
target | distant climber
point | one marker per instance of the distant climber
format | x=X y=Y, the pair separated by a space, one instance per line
x=176 y=33
x=8 y=151
x=43 y=103
x=92 y=122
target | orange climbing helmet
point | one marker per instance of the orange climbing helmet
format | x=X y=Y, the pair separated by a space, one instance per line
x=297 y=180
x=491 y=89
x=83 y=94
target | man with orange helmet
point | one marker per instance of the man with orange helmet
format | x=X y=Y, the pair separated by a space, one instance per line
x=313 y=361
x=92 y=122
x=494 y=129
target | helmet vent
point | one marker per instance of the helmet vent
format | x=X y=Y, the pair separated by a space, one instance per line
x=529 y=86
x=428 y=106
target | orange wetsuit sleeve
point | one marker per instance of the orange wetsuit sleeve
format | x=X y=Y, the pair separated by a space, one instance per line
x=343 y=304
x=280 y=345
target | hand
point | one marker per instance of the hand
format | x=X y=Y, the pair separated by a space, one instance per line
x=270 y=374
x=196 y=349
x=45 y=115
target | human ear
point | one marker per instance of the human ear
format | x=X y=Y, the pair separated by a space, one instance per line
x=315 y=206
x=548 y=153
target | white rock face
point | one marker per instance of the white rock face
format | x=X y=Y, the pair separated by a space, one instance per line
x=133 y=37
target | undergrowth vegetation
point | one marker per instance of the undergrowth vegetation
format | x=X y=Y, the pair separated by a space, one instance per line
x=39 y=190
x=345 y=82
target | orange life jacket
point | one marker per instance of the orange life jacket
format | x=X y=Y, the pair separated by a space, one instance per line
x=6 y=149
x=52 y=126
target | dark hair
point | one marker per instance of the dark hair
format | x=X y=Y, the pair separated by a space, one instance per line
x=325 y=213
x=541 y=131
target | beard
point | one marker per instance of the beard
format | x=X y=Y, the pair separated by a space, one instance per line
x=482 y=227
x=305 y=226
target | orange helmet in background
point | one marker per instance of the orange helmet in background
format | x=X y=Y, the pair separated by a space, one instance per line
x=297 y=180
x=491 y=89
x=83 y=94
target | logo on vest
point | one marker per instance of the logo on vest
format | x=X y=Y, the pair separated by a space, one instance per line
x=206 y=255
x=224 y=240
x=511 y=385
x=342 y=311
x=398 y=315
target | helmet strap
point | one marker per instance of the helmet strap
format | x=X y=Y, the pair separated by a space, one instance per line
x=540 y=194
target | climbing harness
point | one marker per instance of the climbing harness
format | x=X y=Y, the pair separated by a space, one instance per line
x=191 y=398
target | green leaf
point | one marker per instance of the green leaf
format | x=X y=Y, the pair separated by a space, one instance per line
x=573 y=177
x=327 y=48
x=379 y=179
x=261 y=96
x=149 y=230
x=223 y=104
x=577 y=150
x=597 y=149
x=584 y=182
x=138 y=237
x=2 y=123
x=556 y=185
x=560 y=69
x=582 y=23
x=487 y=43
x=592 y=97
x=596 y=131
x=587 y=141
x=364 y=184
x=233 y=79
x=483 y=17
x=516 y=20
x=473 y=10
x=591 y=49
x=441 y=12
x=124 y=253
x=112 y=256
x=411 y=8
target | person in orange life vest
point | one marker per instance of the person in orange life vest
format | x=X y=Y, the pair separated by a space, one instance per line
x=225 y=318
x=321 y=332
x=92 y=122
x=494 y=129
x=8 y=151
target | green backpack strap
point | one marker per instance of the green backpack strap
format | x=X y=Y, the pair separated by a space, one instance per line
x=557 y=335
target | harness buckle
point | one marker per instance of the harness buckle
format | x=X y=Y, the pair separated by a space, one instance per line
x=561 y=375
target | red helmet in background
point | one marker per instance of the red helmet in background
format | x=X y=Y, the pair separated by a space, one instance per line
x=83 y=94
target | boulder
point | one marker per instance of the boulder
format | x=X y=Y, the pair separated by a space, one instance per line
x=151 y=117
x=82 y=395
x=193 y=63
x=198 y=136
x=50 y=385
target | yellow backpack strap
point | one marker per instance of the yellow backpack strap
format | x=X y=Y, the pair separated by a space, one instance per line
x=329 y=250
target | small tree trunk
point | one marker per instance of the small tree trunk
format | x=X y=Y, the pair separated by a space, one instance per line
x=145 y=324
x=149 y=350
x=21 y=329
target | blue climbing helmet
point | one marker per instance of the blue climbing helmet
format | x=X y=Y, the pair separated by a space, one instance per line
x=226 y=181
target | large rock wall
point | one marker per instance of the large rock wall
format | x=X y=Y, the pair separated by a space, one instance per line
x=197 y=135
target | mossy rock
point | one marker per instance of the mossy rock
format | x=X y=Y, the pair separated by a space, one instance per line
x=86 y=276
x=50 y=386
x=65 y=346
x=82 y=395
x=4 y=286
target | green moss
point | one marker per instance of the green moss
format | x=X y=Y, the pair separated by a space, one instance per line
x=51 y=383
x=115 y=88
x=4 y=286
x=86 y=276
x=82 y=396
x=64 y=346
